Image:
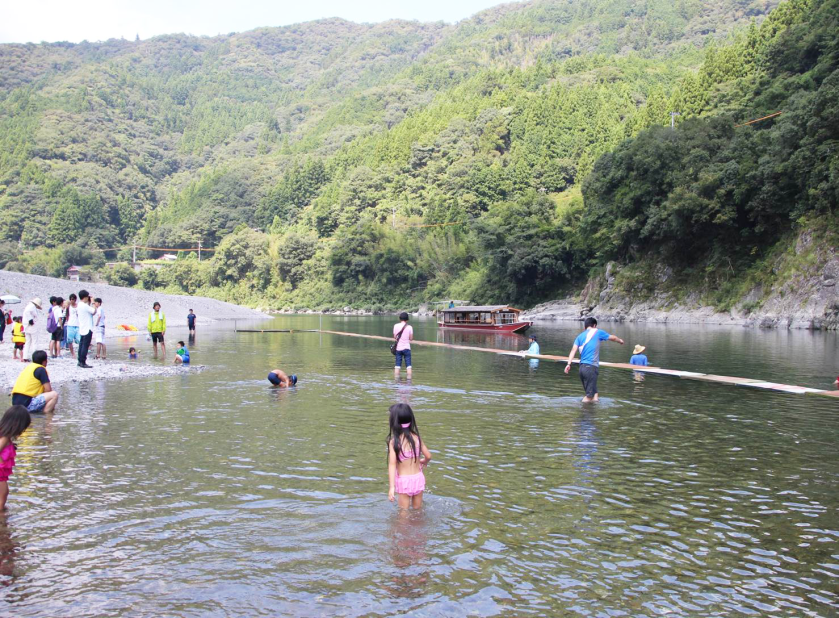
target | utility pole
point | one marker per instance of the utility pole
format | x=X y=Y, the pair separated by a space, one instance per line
x=199 y=249
x=394 y=217
x=673 y=119
x=134 y=254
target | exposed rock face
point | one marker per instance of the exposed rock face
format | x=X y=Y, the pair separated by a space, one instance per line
x=805 y=295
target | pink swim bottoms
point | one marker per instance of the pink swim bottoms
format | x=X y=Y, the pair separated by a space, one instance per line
x=410 y=485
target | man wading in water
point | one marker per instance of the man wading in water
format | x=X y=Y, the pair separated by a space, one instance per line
x=588 y=342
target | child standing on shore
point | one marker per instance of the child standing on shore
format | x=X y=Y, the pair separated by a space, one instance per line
x=15 y=421
x=18 y=337
x=407 y=456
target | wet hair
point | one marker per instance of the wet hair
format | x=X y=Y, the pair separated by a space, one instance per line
x=73 y=297
x=155 y=305
x=83 y=294
x=403 y=316
x=39 y=357
x=97 y=300
x=131 y=350
x=15 y=421
x=401 y=413
x=293 y=379
x=590 y=322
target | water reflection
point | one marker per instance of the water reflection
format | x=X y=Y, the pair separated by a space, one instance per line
x=408 y=538
x=9 y=552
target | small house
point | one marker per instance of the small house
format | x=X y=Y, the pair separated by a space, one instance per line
x=74 y=273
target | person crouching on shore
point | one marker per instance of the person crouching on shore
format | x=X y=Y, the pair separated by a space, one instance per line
x=33 y=390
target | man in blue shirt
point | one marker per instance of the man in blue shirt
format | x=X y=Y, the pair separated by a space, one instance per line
x=638 y=357
x=588 y=343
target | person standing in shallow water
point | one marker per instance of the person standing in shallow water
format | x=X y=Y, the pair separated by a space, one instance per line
x=588 y=343
x=157 y=328
x=407 y=457
x=404 y=334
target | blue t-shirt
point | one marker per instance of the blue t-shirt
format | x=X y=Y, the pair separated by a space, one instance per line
x=533 y=349
x=190 y=320
x=639 y=359
x=590 y=353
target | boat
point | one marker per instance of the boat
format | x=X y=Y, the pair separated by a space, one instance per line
x=490 y=318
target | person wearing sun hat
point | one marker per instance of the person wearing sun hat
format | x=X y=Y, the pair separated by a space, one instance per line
x=30 y=316
x=638 y=356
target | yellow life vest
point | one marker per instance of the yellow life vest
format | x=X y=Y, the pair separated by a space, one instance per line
x=27 y=384
x=17 y=333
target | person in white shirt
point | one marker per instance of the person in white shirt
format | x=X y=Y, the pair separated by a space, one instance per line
x=85 y=327
x=72 y=325
x=99 y=329
x=30 y=316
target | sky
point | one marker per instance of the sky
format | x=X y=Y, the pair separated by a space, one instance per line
x=98 y=20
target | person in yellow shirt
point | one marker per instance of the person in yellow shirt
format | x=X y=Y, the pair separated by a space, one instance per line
x=18 y=337
x=33 y=390
x=157 y=328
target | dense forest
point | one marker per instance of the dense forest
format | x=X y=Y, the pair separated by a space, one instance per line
x=504 y=158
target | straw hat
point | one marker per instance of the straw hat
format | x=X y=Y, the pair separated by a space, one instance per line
x=37 y=302
x=638 y=349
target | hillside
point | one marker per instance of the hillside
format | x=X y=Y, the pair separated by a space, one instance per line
x=332 y=163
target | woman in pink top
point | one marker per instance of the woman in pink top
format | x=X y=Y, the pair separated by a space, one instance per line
x=404 y=334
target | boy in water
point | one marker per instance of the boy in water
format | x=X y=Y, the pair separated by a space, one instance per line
x=190 y=322
x=132 y=353
x=182 y=354
x=278 y=377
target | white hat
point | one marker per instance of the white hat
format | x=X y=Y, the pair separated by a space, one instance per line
x=37 y=302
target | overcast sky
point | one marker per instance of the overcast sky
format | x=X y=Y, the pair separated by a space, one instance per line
x=23 y=21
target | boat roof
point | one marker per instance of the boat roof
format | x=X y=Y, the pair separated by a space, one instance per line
x=480 y=308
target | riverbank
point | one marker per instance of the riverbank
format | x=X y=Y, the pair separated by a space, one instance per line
x=65 y=370
x=122 y=305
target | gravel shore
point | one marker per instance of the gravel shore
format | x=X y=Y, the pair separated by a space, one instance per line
x=65 y=370
x=121 y=305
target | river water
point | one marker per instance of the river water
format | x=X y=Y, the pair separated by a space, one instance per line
x=211 y=494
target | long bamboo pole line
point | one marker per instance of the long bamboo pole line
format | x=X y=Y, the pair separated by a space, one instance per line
x=688 y=375
x=758 y=119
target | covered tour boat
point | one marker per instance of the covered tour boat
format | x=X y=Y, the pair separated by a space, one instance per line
x=493 y=318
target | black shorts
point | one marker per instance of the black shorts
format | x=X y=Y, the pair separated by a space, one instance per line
x=157 y=337
x=588 y=376
x=58 y=334
x=19 y=345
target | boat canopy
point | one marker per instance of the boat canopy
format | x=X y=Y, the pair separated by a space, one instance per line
x=482 y=309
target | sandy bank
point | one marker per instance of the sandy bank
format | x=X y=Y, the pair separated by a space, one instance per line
x=122 y=305
x=65 y=370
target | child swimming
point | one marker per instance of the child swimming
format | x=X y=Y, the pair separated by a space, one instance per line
x=132 y=353
x=15 y=421
x=407 y=456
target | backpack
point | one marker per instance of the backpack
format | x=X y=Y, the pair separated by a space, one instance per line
x=52 y=325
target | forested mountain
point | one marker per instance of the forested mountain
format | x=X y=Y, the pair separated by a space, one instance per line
x=333 y=163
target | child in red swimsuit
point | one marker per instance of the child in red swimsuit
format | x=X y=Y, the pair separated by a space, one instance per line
x=15 y=421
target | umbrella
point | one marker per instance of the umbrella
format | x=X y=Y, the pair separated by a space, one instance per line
x=10 y=299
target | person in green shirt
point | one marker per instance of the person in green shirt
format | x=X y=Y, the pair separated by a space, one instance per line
x=157 y=328
x=182 y=354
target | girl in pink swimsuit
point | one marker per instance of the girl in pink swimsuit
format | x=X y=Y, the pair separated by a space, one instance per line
x=407 y=456
x=15 y=421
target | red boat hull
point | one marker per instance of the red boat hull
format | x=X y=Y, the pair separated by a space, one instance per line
x=515 y=327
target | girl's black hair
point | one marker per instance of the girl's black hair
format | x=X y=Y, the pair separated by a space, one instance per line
x=15 y=421
x=401 y=413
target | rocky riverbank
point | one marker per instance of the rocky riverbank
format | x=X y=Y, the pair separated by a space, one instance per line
x=65 y=370
x=798 y=289
x=121 y=305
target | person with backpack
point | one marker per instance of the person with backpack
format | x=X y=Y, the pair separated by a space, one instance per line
x=588 y=343
x=55 y=325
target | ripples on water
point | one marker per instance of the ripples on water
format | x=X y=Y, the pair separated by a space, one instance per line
x=212 y=494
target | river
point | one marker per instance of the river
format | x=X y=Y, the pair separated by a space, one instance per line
x=211 y=494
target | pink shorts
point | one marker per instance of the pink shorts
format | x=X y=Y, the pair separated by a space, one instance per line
x=410 y=485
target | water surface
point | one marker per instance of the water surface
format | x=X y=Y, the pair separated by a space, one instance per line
x=211 y=494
